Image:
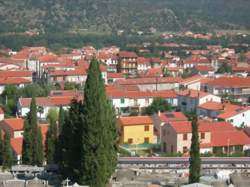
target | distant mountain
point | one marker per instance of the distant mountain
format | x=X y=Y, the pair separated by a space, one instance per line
x=114 y=15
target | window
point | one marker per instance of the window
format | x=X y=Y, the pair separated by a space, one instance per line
x=146 y=140
x=122 y=100
x=243 y=115
x=185 y=149
x=184 y=136
x=130 y=140
x=202 y=135
x=146 y=128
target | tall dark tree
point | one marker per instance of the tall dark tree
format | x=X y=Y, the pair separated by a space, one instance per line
x=7 y=152
x=32 y=144
x=98 y=132
x=1 y=148
x=195 y=161
x=70 y=142
x=51 y=139
x=27 y=144
x=58 y=145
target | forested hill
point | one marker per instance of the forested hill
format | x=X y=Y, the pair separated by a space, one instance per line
x=113 y=15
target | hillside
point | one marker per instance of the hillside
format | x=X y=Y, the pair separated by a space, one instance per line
x=113 y=15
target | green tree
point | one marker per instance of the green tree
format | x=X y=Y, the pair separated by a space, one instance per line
x=7 y=152
x=27 y=144
x=195 y=161
x=98 y=132
x=59 y=140
x=51 y=138
x=32 y=143
x=52 y=115
x=225 y=68
x=1 y=148
x=70 y=142
x=158 y=104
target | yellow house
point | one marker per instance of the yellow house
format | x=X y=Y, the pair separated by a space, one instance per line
x=136 y=129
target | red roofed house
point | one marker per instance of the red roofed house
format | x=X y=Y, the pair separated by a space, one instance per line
x=153 y=84
x=126 y=101
x=235 y=114
x=136 y=129
x=46 y=103
x=215 y=137
x=127 y=62
x=237 y=87
x=17 y=144
x=14 y=126
x=203 y=70
x=160 y=118
x=189 y=100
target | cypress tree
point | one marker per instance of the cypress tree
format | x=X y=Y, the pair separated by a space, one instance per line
x=1 y=148
x=70 y=142
x=58 y=142
x=27 y=144
x=7 y=152
x=98 y=132
x=32 y=144
x=60 y=119
x=51 y=138
x=195 y=161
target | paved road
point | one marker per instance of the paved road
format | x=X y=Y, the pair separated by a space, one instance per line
x=182 y=160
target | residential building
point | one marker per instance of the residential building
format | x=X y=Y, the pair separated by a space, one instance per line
x=215 y=137
x=45 y=104
x=14 y=126
x=125 y=101
x=161 y=118
x=189 y=100
x=236 y=87
x=127 y=62
x=152 y=84
x=234 y=114
x=136 y=130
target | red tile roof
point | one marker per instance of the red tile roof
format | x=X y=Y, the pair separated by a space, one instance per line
x=202 y=68
x=126 y=54
x=49 y=101
x=115 y=75
x=230 y=82
x=8 y=74
x=172 y=116
x=16 y=124
x=160 y=80
x=48 y=58
x=76 y=72
x=140 y=94
x=193 y=93
x=135 y=120
x=17 y=145
x=15 y=81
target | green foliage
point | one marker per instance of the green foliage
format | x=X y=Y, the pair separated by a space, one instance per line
x=71 y=86
x=7 y=152
x=225 y=68
x=32 y=138
x=158 y=104
x=51 y=140
x=99 y=132
x=52 y=115
x=195 y=160
x=11 y=93
x=112 y=15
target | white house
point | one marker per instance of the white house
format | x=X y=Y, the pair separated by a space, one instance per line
x=189 y=100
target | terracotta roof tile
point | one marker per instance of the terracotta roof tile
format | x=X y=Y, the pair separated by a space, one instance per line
x=136 y=120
